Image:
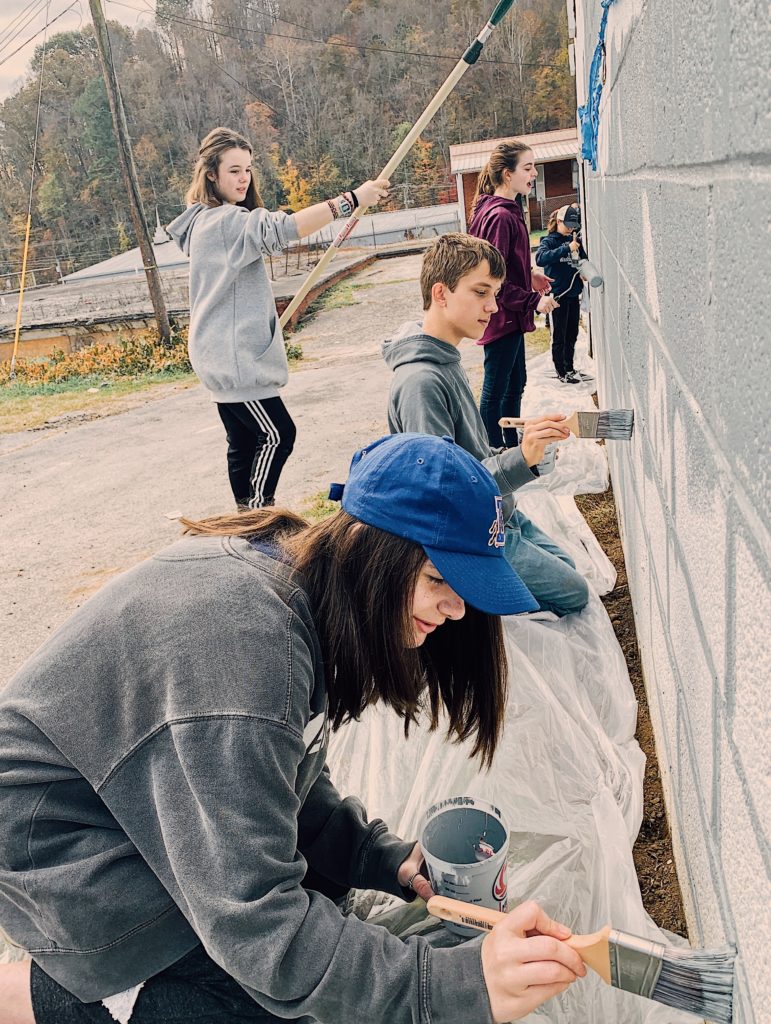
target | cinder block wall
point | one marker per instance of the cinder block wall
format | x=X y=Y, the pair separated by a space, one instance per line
x=677 y=219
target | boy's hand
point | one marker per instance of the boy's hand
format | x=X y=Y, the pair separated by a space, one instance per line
x=540 y=432
x=525 y=962
x=410 y=874
x=541 y=283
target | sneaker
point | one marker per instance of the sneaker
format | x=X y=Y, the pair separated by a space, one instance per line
x=581 y=375
x=571 y=377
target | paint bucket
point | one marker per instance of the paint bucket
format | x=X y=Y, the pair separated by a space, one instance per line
x=465 y=842
x=546 y=465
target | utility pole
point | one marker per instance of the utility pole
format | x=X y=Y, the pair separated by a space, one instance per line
x=129 y=171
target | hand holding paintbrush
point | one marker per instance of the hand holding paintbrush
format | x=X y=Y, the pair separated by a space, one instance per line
x=697 y=981
x=526 y=961
x=612 y=424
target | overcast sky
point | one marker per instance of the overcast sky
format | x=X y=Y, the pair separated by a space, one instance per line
x=20 y=20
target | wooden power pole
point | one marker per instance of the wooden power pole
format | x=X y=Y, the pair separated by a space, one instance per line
x=129 y=171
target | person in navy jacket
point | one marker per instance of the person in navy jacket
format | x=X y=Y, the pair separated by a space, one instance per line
x=558 y=254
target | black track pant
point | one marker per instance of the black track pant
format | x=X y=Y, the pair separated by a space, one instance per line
x=564 y=331
x=260 y=439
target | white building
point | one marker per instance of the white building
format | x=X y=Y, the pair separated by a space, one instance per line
x=676 y=216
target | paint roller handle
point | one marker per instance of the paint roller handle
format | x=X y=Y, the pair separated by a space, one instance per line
x=500 y=12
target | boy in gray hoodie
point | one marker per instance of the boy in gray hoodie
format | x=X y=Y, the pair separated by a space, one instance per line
x=431 y=394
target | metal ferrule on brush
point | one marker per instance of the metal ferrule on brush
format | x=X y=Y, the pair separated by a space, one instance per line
x=635 y=963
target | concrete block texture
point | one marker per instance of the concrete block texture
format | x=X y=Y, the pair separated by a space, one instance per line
x=677 y=219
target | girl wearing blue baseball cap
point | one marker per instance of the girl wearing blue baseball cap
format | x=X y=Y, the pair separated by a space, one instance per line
x=172 y=839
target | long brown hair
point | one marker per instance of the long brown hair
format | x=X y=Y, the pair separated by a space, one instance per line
x=361 y=581
x=202 y=188
x=553 y=220
x=504 y=157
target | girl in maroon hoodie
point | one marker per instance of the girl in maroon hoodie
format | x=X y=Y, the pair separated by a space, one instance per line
x=497 y=217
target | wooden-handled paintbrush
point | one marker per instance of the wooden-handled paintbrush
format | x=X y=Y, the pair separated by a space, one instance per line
x=612 y=424
x=695 y=980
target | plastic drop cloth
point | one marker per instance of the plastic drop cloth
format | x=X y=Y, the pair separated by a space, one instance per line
x=568 y=773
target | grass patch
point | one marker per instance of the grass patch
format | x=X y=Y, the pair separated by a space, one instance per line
x=339 y=296
x=97 y=380
x=31 y=406
x=319 y=507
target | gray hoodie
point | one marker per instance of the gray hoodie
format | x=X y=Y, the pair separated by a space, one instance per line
x=431 y=394
x=162 y=782
x=235 y=341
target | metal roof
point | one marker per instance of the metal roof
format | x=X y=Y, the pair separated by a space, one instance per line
x=130 y=264
x=547 y=147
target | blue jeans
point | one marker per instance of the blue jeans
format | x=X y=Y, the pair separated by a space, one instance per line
x=504 y=382
x=548 y=573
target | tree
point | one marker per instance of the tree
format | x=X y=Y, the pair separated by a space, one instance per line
x=297 y=189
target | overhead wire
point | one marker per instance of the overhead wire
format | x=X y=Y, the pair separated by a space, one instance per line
x=40 y=31
x=12 y=31
x=20 y=15
x=209 y=25
x=206 y=56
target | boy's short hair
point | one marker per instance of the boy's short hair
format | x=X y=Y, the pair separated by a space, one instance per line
x=454 y=255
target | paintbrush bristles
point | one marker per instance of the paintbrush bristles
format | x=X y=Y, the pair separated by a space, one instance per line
x=699 y=981
x=612 y=424
x=616 y=424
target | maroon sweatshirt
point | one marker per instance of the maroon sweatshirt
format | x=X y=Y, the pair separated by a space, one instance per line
x=501 y=222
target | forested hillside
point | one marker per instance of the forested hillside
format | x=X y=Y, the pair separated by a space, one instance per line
x=325 y=91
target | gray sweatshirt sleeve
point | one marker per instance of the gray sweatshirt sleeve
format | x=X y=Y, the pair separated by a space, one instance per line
x=339 y=843
x=209 y=802
x=259 y=232
x=509 y=469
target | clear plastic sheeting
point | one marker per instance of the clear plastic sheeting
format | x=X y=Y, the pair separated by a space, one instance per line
x=567 y=777
x=568 y=773
x=581 y=466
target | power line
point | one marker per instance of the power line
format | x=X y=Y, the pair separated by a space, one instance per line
x=13 y=30
x=210 y=26
x=51 y=22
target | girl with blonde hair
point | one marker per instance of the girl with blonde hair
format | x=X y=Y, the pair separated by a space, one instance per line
x=236 y=343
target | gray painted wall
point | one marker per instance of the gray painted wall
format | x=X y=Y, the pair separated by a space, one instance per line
x=677 y=219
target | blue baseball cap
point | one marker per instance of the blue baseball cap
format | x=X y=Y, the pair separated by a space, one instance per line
x=429 y=490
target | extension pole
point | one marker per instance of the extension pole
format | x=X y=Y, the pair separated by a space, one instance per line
x=469 y=57
x=129 y=171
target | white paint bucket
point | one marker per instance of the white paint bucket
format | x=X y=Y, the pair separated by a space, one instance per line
x=465 y=842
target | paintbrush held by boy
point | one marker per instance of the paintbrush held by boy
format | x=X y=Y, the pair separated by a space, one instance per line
x=610 y=424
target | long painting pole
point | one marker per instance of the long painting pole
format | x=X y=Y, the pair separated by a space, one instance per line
x=469 y=57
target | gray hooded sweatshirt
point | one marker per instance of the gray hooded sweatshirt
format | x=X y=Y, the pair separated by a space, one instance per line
x=163 y=783
x=235 y=340
x=431 y=394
